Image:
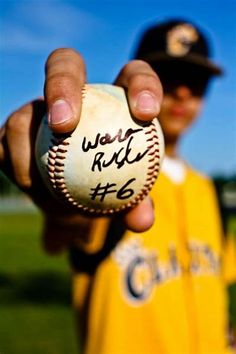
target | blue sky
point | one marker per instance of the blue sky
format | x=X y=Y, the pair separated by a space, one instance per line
x=105 y=32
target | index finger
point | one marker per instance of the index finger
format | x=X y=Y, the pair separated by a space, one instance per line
x=144 y=88
x=65 y=77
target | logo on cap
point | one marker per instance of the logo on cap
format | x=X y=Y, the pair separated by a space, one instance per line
x=180 y=39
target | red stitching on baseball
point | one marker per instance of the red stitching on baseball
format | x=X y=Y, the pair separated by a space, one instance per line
x=55 y=168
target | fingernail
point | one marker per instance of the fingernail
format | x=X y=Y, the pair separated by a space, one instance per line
x=146 y=102
x=60 y=112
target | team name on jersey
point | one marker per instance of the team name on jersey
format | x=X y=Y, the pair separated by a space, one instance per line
x=143 y=269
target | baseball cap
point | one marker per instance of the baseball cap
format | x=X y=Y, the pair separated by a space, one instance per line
x=176 y=41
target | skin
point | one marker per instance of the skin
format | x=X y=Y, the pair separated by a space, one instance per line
x=65 y=75
x=179 y=110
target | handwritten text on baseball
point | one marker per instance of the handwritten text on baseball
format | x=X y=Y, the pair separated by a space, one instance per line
x=117 y=157
x=120 y=157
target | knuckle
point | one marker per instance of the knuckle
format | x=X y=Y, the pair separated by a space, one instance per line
x=55 y=79
x=57 y=53
x=16 y=122
x=65 y=72
x=63 y=54
x=140 y=66
x=140 y=73
x=57 y=86
x=24 y=182
x=144 y=80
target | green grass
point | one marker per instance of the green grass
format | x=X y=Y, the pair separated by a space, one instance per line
x=35 y=299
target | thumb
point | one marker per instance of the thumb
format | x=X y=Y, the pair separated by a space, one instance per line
x=65 y=78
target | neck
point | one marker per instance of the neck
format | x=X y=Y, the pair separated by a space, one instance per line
x=171 y=147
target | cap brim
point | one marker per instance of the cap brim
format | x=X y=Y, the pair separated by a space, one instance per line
x=194 y=59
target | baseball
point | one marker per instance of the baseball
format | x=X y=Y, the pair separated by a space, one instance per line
x=109 y=162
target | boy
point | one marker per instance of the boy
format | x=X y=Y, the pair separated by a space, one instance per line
x=157 y=288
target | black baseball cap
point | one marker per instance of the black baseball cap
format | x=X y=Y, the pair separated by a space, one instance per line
x=177 y=41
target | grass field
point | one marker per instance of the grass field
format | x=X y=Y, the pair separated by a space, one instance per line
x=35 y=311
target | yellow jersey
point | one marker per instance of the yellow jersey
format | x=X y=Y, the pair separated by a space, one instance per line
x=161 y=291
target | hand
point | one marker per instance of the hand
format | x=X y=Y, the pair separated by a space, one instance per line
x=65 y=77
x=145 y=98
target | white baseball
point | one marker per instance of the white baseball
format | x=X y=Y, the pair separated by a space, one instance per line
x=109 y=162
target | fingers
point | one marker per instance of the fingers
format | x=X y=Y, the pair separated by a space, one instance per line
x=144 y=89
x=17 y=144
x=140 y=218
x=2 y=152
x=145 y=98
x=65 y=77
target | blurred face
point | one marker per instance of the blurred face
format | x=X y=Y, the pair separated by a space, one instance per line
x=183 y=98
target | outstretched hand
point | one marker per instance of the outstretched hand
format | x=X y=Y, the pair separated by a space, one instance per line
x=65 y=77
